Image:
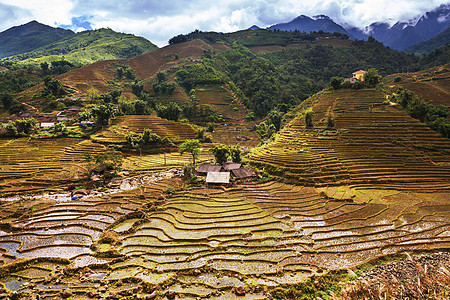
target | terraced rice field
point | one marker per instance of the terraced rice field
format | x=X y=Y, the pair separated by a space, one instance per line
x=372 y=144
x=219 y=99
x=120 y=126
x=210 y=243
x=432 y=85
x=155 y=162
x=28 y=165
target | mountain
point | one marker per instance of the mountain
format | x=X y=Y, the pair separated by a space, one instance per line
x=28 y=37
x=307 y=24
x=426 y=47
x=254 y=27
x=86 y=47
x=400 y=36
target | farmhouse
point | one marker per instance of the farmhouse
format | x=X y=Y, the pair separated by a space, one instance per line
x=243 y=173
x=205 y=168
x=218 y=178
x=359 y=75
x=229 y=166
x=46 y=124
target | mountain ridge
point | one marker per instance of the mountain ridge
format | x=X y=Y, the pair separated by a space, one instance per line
x=84 y=48
x=399 y=36
x=28 y=37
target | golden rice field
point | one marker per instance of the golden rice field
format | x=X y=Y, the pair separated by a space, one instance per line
x=115 y=134
x=209 y=243
x=29 y=165
x=371 y=144
x=374 y=186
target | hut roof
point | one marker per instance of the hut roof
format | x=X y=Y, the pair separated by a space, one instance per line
x=243 y=173
x=218 y=177
x=231 y=166
x=205 y=168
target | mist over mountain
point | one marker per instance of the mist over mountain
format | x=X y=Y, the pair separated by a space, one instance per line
x=399 y=36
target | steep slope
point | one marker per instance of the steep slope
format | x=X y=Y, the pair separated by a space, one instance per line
x=86 y=47
x=28 y=37
x=372 y=143
x=432 y=85
x=101 y=75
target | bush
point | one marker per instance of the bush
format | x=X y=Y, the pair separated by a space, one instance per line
x=371 y=77
x=336 y=82
x=330 y=121
x=169 y=112
x=221 y=153
x=309 y=119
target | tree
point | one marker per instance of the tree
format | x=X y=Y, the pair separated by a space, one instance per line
x=371 y=77
x=7 y=100
x=169 y=112
x=330 y=121
x=24 y=126
x=53 y=87
x=161 y=76
x=102 y=113
x=108 y=164
x=265 y=131
x=275 y=117
x=92 y=95
x=140 y=107
x=138 y=141
x=221 y=153
x=309 y=119
x=191 y=146
x=167 y=143
x=236 y=154
x=336 y=82
x=44 y=67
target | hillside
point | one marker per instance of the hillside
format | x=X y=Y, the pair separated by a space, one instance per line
x=85 y=48
x=338 y=210
x=28 y=37
x=432 y=85
x=426 y=47
x=257 y=37
x=371 y=144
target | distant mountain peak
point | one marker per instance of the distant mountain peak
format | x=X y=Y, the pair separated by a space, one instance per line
x=29 y=36
x=254 y=27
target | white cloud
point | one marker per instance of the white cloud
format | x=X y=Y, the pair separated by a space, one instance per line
x=160 y=20
x=48 y=12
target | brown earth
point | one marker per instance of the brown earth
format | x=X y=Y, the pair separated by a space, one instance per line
x=418 y=277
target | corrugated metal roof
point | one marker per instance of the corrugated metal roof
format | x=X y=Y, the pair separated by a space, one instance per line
x=243 y=173
x=231 y=166
x=218 y=177
x=205 y=168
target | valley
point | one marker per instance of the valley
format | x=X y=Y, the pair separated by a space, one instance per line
x=101 y=198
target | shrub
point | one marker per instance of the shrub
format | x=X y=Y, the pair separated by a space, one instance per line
x=330 y=121
x=309 y=119
x=336 y=82
x=221 y=153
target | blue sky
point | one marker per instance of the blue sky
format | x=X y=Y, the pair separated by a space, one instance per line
x=159 y=20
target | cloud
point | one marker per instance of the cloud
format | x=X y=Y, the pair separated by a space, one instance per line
x=78 y=24
x=159 y=20
x=10 y=14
